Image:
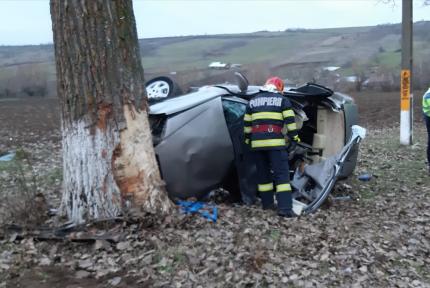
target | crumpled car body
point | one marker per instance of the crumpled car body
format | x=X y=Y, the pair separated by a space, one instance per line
x=199 y=145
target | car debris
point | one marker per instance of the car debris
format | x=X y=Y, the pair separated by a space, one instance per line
x=365 y=177
x=207 y=211
x=324 y=175
x=7 y=157
x=342 y=198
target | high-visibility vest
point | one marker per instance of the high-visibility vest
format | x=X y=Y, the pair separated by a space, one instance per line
x=426 y=103
x=267 y=116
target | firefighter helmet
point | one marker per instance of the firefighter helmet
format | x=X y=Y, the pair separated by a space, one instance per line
x=277 y=82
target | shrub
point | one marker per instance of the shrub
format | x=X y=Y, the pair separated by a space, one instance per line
x=21 y=203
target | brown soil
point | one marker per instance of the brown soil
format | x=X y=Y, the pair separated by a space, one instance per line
x=382 y=109
x=52 y=277
x=369 y=227
x=25 y=120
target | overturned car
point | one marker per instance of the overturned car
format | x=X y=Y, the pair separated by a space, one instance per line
x=199 y=145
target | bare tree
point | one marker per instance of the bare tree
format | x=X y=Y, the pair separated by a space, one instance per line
x=108 y=157
x=359 y=73
x=393 y=2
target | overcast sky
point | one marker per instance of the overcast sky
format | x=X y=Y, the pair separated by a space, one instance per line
x=29 y=22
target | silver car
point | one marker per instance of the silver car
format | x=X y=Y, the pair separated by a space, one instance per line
x=198 y=140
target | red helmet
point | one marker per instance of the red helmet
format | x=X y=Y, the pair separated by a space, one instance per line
x=277 y=82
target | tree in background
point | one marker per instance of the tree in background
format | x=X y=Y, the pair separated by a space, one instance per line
x=29 y=79
x=393 y=2
x=359 y=70
x=108 y=157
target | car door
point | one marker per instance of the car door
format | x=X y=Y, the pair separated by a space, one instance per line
x=245 y=187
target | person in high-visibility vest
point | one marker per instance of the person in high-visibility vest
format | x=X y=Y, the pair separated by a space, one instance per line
x=268 y=117
x=426 y=112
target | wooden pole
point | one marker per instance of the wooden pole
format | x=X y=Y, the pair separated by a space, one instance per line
x=406 y=95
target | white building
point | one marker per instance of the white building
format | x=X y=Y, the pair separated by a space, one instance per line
x=218 y=65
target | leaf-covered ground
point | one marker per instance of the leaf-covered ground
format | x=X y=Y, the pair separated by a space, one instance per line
x=379 y=238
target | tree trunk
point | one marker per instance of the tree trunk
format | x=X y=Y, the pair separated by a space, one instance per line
x=108 y=158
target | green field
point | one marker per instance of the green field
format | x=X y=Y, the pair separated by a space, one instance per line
x=389 y=59
x=291 y=49
x=337 y=45
x=198 y=53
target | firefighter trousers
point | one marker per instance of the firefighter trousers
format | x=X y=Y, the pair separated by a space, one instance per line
x=274 y=176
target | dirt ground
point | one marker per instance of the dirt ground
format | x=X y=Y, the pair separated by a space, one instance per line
x=28 y=120
x=382 y=109
x=379 y=238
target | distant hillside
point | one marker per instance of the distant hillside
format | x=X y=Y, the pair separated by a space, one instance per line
x=352 y=49
x=336 y=46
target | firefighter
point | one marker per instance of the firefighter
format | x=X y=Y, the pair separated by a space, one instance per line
x=426 y=112
x=268 y=117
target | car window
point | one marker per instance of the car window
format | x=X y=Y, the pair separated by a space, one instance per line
x=233 y=111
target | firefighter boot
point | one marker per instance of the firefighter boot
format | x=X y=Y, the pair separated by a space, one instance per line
x=285 y=204
x=267 y=200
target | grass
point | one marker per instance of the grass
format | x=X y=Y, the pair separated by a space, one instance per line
x=8 y=72
x=391 y=42
x=394 y=167
x=366 y=193
x=275 y=235
x=344 y=30
x=179 y=258
x=421 y=271
x=198 y=53
x=347 y=71
x=389 y=59
x=173 y=258
x=6 y=166
x=421 y=51
x=186 y=54
x=21 y=200
x=54 y=175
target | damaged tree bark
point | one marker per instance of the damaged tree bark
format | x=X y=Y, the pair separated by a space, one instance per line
x=108 y=157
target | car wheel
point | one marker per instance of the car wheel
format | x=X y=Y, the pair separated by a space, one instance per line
x=161 y=88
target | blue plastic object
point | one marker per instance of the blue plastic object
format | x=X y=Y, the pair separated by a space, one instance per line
x=7 y=157
x=365 y=177
x=201 y=208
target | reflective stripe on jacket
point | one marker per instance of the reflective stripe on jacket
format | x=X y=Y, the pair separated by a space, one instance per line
x=270 y=111
x=426 y=103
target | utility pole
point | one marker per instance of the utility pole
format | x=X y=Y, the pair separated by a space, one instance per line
x=406 y=96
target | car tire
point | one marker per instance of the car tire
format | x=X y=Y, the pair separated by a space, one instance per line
x=161 y=88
